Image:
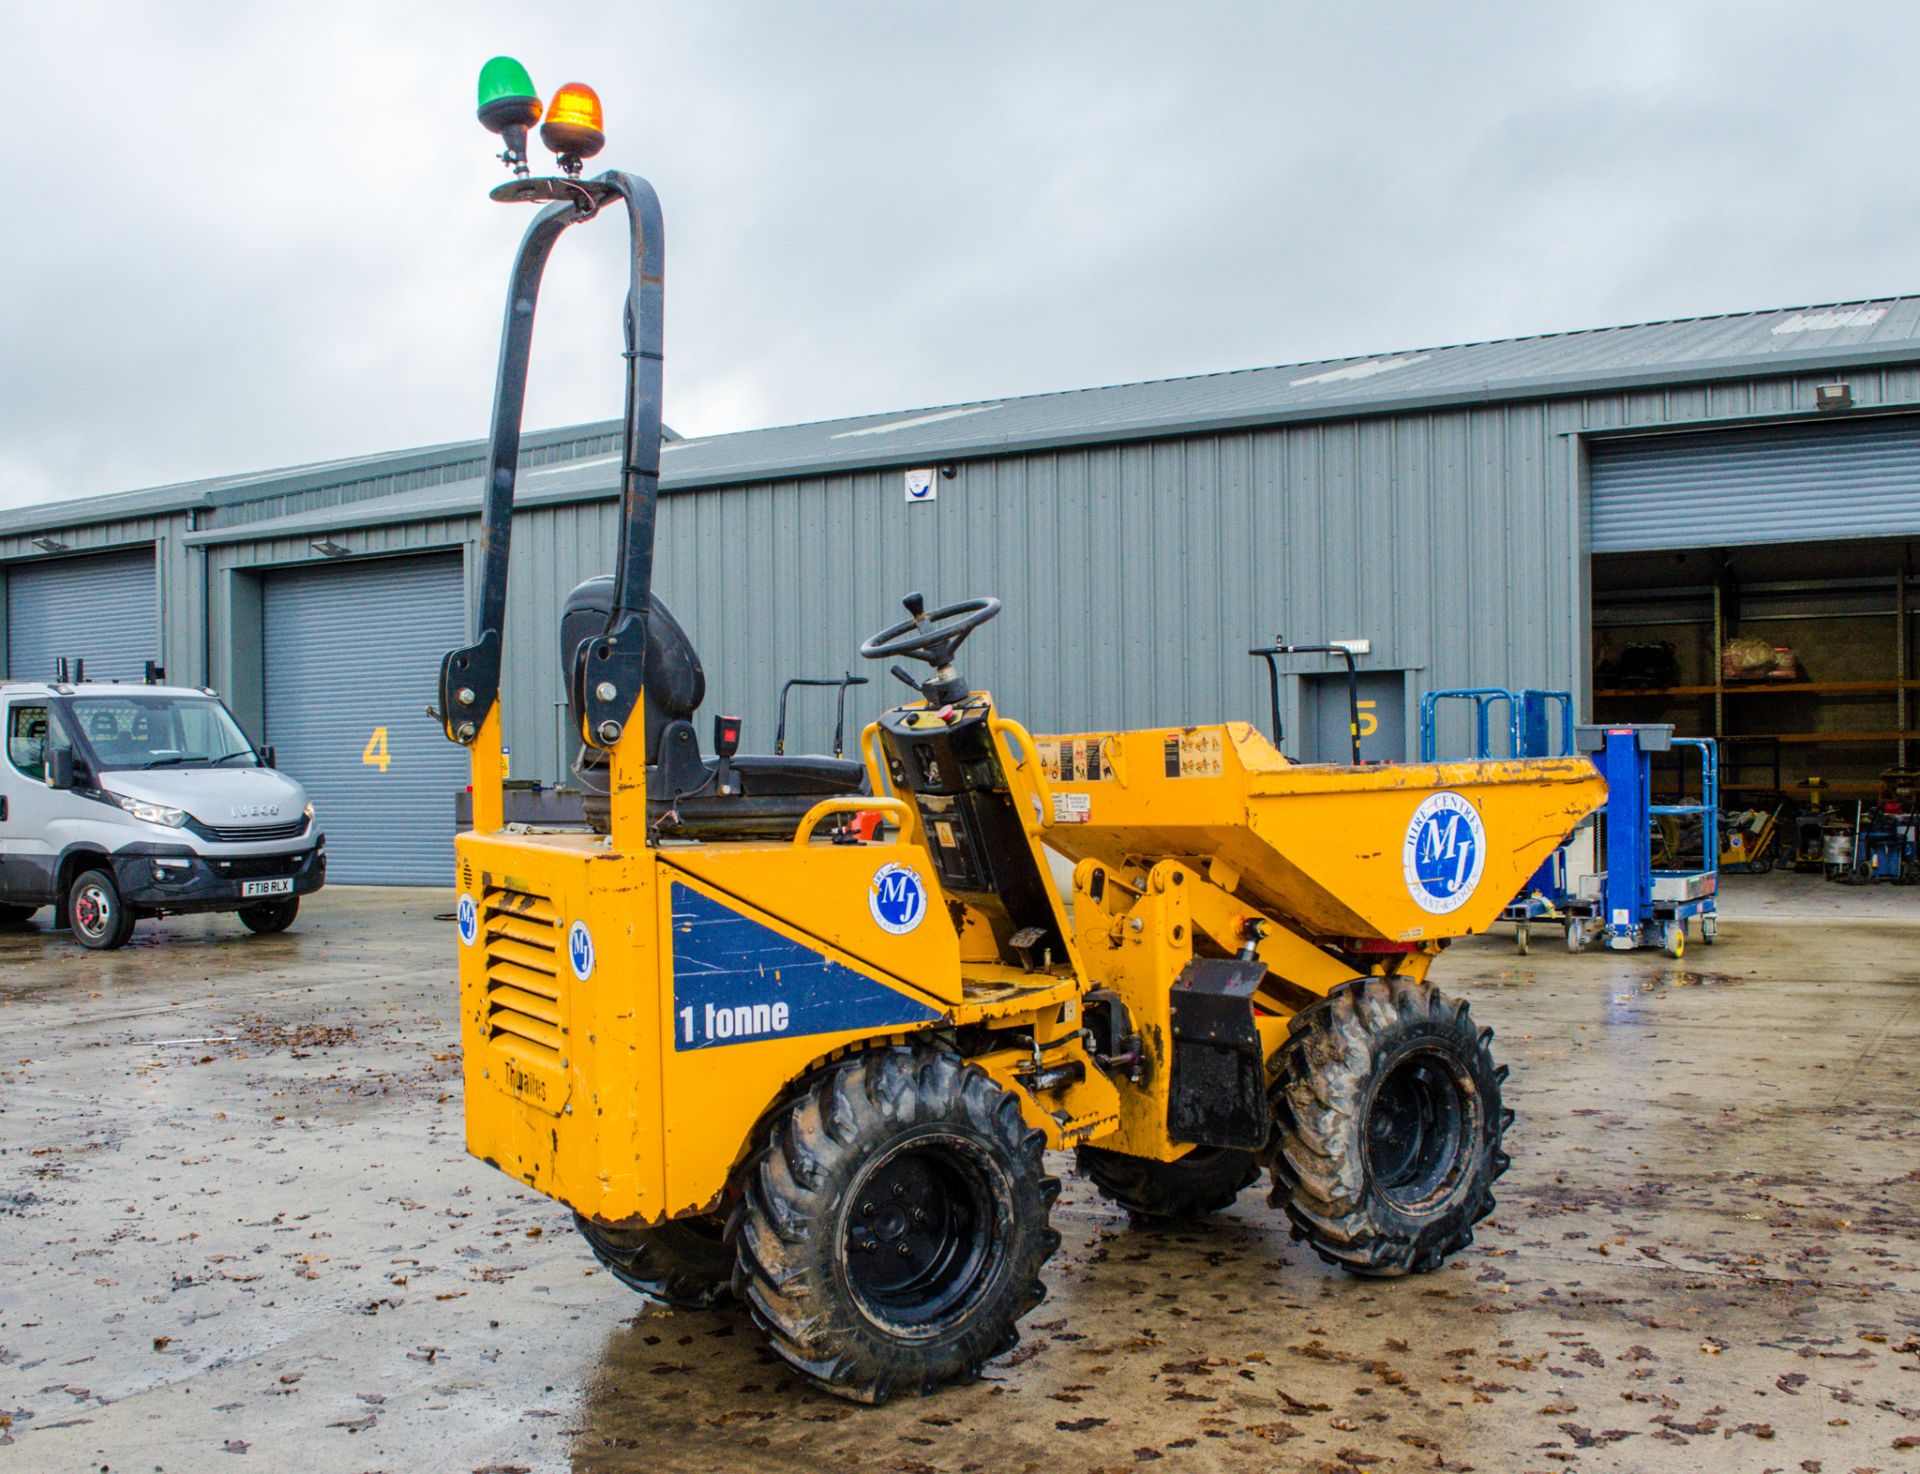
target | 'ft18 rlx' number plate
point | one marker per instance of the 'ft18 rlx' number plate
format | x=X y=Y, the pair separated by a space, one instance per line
x=251 y=888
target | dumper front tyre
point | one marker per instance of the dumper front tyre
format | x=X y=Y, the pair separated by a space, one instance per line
x=892 y=1229
x=1389 y=1127
x=1206 y=1180
x=684 y=1263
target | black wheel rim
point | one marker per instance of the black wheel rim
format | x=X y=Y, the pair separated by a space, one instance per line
x=1419 y=1129
x=920 y=1239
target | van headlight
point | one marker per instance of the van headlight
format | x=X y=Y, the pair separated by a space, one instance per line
x=148 y=813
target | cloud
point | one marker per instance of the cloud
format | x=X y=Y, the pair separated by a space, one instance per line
x=245 y=236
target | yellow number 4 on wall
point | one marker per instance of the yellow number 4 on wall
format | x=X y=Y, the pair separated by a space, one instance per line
x=376 y=754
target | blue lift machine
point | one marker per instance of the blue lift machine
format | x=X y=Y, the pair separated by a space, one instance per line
x=1630 y=903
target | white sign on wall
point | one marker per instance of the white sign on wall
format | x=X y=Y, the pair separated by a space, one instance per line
x=921 y=486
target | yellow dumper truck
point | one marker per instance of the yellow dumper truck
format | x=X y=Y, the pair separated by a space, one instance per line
x=760 y=1055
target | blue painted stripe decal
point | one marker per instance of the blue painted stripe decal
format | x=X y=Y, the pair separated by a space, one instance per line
x=738 y=981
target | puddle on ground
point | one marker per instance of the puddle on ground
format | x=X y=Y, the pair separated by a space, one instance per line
x=1704 y=980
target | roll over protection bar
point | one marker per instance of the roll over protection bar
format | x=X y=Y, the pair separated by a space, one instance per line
x=609 y=670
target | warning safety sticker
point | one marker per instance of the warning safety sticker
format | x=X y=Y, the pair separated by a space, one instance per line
x=1075 y=759
x=1194 y=754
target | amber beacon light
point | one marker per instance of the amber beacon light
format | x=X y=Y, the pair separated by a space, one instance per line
x=574 y=129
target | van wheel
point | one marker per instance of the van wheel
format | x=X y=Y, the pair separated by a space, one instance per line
x=16 y=915
x=271 y=916
x=95 y=912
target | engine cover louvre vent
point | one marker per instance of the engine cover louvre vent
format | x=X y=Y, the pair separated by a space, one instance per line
x=526 y=995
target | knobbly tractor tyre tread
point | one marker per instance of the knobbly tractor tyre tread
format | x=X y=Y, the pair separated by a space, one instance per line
x=1206 y=1180
x=1337 y=1058
x=893 y=1116
x=684 y=1264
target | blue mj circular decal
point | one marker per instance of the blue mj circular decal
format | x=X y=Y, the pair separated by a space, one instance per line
x=1445 y=852
x=468 y=915
x=580 y=950
x=897 y=898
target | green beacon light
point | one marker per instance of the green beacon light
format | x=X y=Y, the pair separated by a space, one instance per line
x=509 y=106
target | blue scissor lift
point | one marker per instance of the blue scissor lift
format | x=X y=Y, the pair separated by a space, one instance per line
x=1536 y=724
x=1630 y=903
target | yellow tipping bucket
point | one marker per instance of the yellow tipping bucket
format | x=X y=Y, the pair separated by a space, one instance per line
x=1396 y=852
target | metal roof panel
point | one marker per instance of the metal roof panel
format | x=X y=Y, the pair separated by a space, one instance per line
x=1776 y=341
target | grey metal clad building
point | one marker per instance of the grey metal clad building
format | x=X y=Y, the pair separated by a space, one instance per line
x=1509 y=513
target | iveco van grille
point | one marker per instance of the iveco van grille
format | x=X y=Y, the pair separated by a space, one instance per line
x=523 y=940
x=249 y=833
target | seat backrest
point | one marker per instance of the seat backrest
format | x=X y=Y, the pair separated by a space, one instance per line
x=676 y=684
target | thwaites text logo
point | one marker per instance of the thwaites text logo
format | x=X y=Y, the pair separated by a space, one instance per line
x=1445 y=852
x=897 y=899
x=580 y=950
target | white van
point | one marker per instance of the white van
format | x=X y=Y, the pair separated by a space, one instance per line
x=123 y=801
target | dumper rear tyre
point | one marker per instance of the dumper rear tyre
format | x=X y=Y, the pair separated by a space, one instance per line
x=1206 y=1180
x=891 y=1231
x=1389 y=1127
x=684 y=1264
x=268 y=917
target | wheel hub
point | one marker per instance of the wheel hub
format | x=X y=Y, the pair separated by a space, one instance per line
x=1417 y=1132
x=919 y=1240
x=90 y=910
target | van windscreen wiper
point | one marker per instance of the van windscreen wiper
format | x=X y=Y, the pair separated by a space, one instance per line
x=177 y=759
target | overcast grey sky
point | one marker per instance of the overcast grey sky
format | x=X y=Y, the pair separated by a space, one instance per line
x=250 y=235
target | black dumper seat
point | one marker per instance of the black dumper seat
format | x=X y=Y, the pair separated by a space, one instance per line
x=771 y=793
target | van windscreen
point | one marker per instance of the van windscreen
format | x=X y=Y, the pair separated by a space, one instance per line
x=151 y=731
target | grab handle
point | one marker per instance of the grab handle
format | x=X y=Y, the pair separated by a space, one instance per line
x=858 y=803
x=1019 y=737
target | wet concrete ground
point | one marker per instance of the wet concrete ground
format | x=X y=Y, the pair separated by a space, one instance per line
x=237 y=1230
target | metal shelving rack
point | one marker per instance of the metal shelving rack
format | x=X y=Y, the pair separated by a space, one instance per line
x=1725 y=619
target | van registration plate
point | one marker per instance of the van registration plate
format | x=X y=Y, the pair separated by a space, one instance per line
x=281 y=887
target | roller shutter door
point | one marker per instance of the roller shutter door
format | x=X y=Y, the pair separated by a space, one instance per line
x=103 y=610
x=352 y=655
x=1774 y=485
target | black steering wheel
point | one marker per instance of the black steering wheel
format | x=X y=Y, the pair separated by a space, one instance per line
x=930 y=637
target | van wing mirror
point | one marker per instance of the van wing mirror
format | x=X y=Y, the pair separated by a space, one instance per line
x=267 y=759
x=59 y=767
